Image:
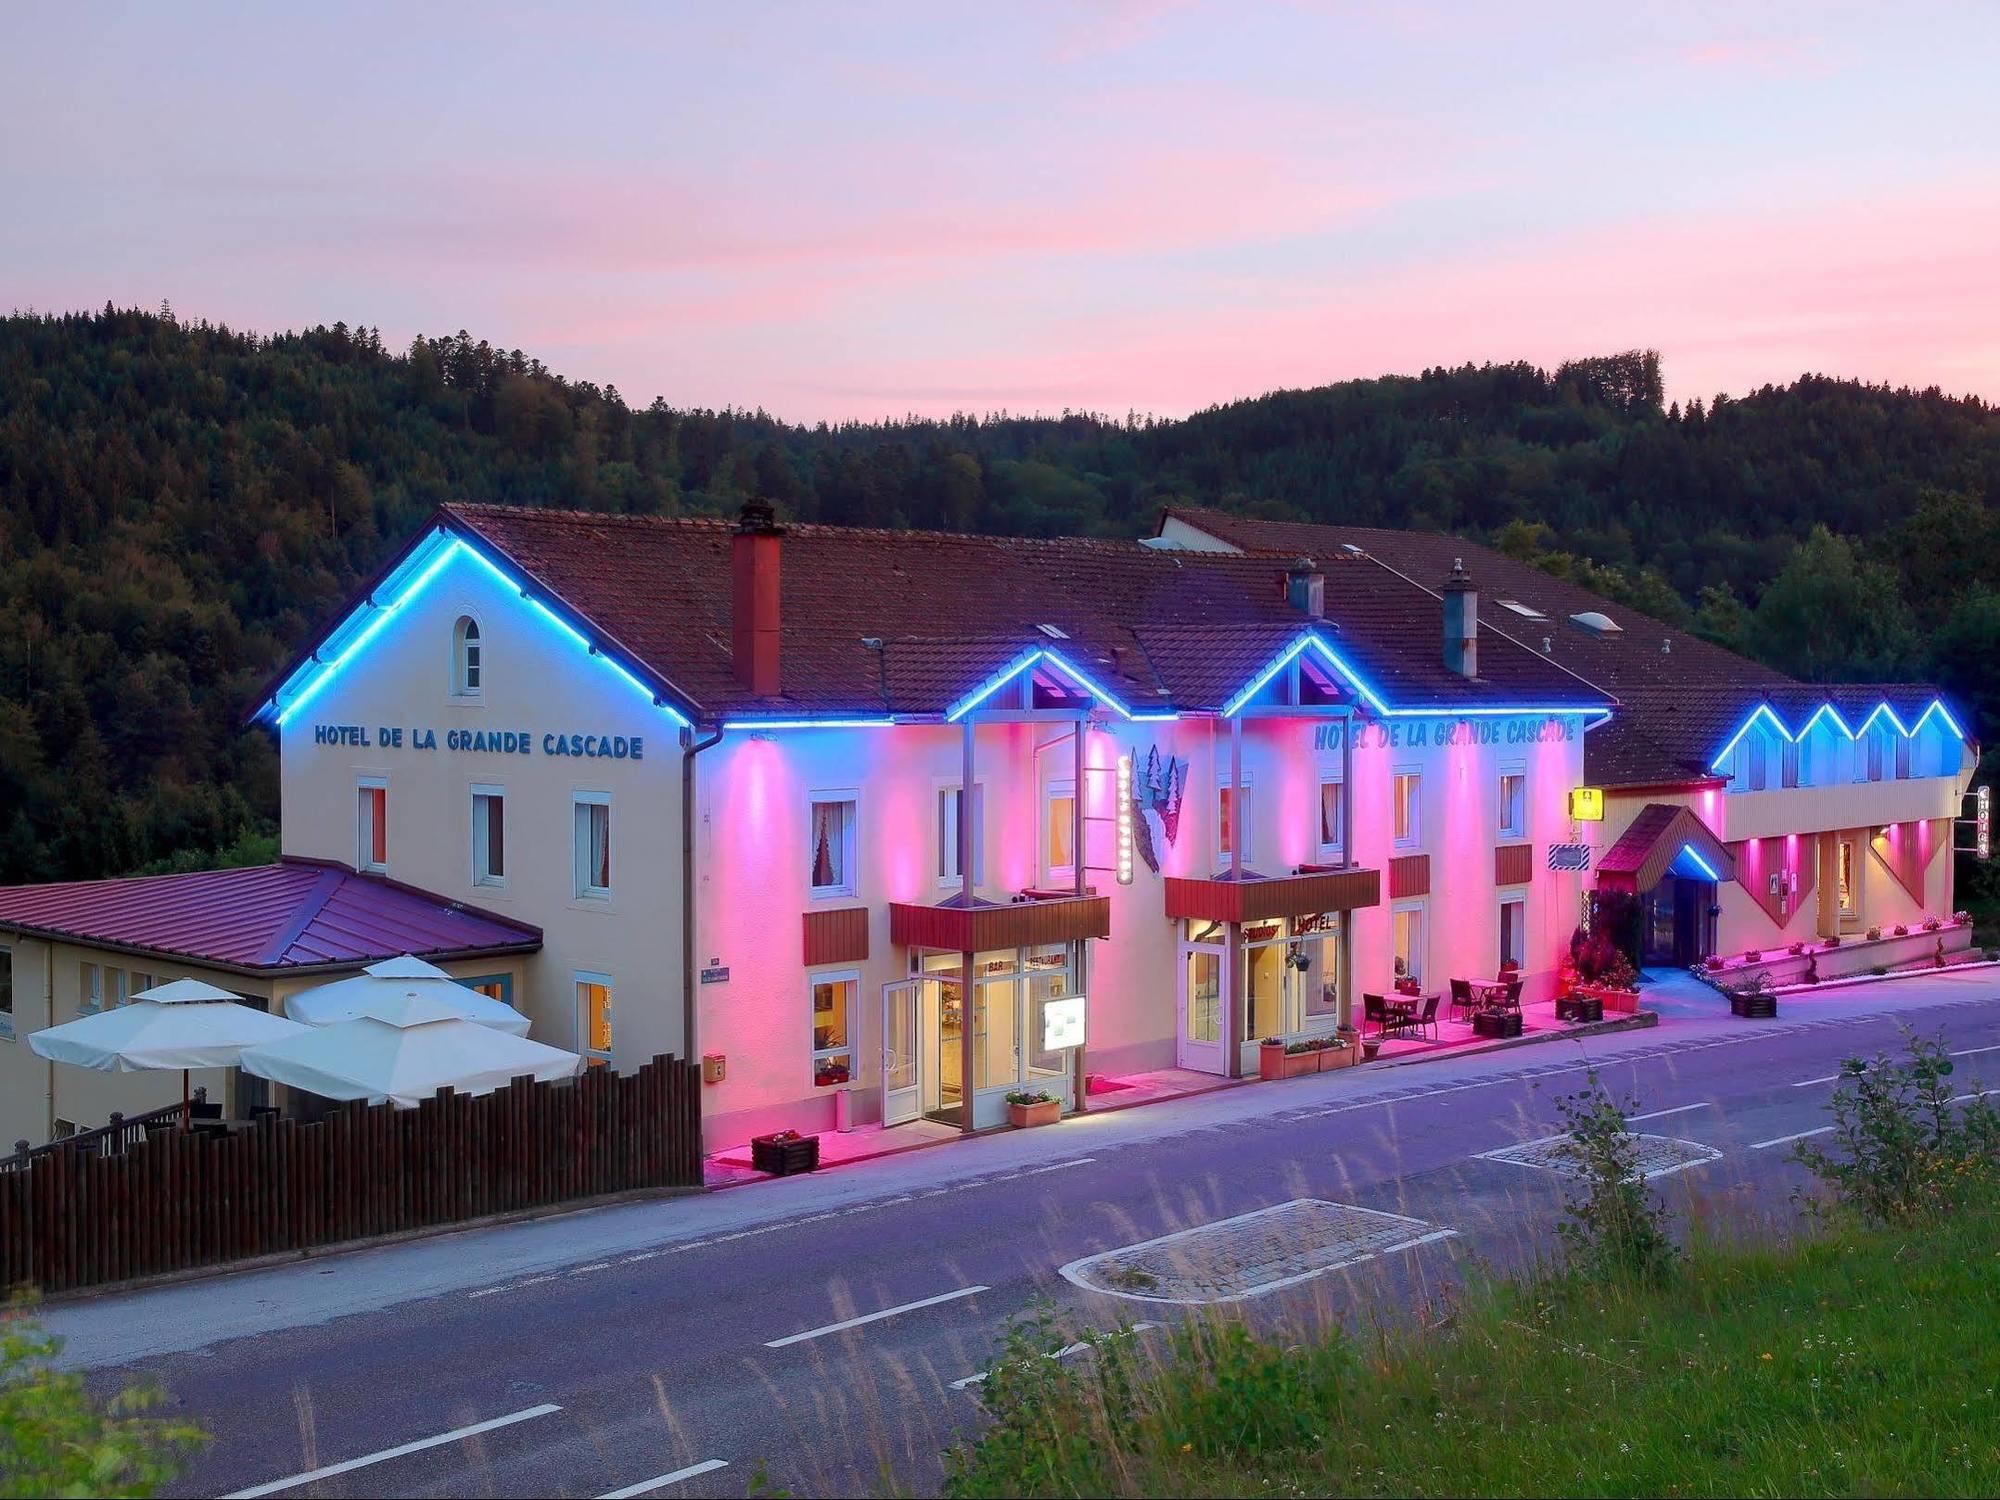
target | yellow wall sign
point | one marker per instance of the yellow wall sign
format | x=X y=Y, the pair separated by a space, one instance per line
x=1587 y=803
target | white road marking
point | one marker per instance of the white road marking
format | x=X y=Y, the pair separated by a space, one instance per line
x=596 y=1265
x=874 y=1317
x=527 y=1414
x=660 y=1482
x=1975 y=1051
x=1785 y=1140
x=1806 y=1083
x=1679 y=1109
x=967 y=1381
x=1423 y=1239
x=1081 y=1161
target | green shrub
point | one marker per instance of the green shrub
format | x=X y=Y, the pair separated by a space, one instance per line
x=57 y=1439
x=1905 y=1143
x=1616 y=1227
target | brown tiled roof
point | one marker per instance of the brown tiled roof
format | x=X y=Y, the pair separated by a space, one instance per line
x=1653 y=840
x=296 y=914
x=1155 y=627
x=1679 y=697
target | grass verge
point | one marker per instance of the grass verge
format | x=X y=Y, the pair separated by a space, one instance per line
x=1860 y=1361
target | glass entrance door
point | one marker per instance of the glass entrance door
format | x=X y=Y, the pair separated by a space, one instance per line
x=1200 y=1044
x=902 y=1051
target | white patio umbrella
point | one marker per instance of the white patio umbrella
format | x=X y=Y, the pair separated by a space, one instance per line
x=390 y=979
x=405 y=1050
x=181 y=1024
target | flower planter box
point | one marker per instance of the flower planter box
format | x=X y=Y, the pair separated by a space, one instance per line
x=1580 y=1008
x=1753 y=1007
x=1340 y=1055
x=1624 y=1002
x=784 y=1154
x=1023 y=1116
x=1497 y=1023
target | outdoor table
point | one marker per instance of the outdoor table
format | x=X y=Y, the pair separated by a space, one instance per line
x=1488 y=991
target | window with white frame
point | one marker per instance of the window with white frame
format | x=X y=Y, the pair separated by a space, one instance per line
x=951 y=868
x=1513 y=804
x=1513 y=931
x=116 y=986
x=1876 y=757
x=1756 y=761
x=489 y=835
x=466 y=658
x=830 y=843
x=1059 y=832
x=1233 y=805
x=591 y=815
x=1332 y=816
x=372 y=823
x=1407 y=826
x=834 y=998
x=593 y=1018
x=1409 y=930
x=89 y=987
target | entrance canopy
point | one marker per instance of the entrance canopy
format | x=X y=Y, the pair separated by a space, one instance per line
x=1665 y=839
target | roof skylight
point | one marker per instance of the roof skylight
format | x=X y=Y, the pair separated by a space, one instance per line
x=1597 y=620
x=1526 y=611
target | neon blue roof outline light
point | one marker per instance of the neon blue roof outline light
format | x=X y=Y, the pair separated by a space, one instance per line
x=1689 y=853
x=1937 y=707
x=1375 y=701
x=1826 y=710
x=809 y=723
x=319 y=670
x=1026 y=662
x=1876 y=713
x=1761 y=711
x=453 y=547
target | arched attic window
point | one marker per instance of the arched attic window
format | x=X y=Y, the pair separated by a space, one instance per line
x=466 y=658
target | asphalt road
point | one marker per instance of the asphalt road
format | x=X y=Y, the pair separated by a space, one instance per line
x=822 y=1328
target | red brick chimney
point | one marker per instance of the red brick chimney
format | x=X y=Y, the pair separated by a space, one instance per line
x=753 y=597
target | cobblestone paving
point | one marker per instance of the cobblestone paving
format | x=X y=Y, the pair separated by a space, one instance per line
x=1654 y=1155
x=1250 y=1253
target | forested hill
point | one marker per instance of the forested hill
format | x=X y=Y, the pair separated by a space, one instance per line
x=180 y=504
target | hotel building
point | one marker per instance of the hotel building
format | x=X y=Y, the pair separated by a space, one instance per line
x=884 y=825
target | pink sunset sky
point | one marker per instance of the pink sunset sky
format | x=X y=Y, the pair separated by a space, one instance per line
x=857 y=210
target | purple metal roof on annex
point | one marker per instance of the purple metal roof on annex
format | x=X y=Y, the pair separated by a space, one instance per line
x=294 y=915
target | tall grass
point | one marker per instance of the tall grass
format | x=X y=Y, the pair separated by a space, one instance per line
x=1859 y=1359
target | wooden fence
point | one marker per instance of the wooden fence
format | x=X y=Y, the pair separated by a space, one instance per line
x=179 y=1200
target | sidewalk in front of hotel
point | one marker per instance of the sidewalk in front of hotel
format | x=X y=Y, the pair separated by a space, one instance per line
x=1682 y=994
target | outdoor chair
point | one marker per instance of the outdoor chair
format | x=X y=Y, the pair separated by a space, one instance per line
x=1514 y=994
x=1427 y=1018
x=1462 y=1003
x=1375 y=1008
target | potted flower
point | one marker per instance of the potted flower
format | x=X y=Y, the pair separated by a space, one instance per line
x=1271 y=1057
x=1027 y=1107
x=1370 y=1047
x=1797 y=950
x=1900 y=930
x=1833 y=941
x=1874 y=934
x=1932 y=924
x=1302 y=1057
x=1962 y=918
